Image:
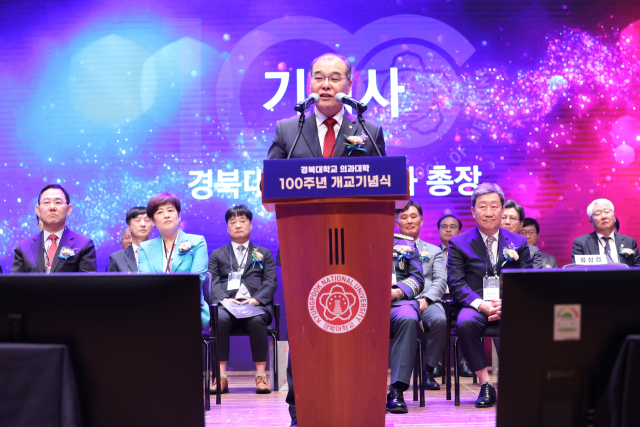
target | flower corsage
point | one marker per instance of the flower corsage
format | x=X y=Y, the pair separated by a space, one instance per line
x=185 y=248
x=256 y=258
x=425 y=256
x=402 y=252
x=355 y=143
x=66 y=253
x=510 y=254
x=626 y=251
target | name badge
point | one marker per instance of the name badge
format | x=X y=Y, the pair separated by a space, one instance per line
x=490 y=288
x=234 y=280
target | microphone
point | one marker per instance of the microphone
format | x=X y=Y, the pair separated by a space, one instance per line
x=302 y=106
x=359 y=106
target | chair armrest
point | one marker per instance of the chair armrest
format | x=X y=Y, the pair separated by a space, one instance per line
x=213 y=310
x=276 y=312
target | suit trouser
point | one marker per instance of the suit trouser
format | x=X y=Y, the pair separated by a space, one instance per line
x=434 y=320
x=291 y=397
x=469 y=328
x=404 y=326
x=257 y=327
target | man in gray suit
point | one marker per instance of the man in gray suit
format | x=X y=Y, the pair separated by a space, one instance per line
x=409 y=221
x=531 y=230
x=139 y=225
x=512 y=220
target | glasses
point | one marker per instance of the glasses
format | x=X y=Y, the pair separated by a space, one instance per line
x=333 y=79
x=598 y=214
x=452 y=227
x=57 y=202
x=528 y=233
x=510 y=218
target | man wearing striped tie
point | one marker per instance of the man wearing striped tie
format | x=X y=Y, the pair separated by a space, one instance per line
x=56 y=249
x=476 y=258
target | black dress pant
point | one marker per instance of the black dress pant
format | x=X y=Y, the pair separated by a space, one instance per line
x=256 y=326
x=469 y=328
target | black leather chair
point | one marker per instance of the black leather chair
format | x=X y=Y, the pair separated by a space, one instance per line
x=238 y=330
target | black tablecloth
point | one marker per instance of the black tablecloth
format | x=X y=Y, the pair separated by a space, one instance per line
x=620 y=404
x=37 y=386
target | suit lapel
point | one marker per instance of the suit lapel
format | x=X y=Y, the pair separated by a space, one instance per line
x=130 y=258
x=37 y=250
x=310 y=135
x=155 y=254
x=66 y=240
x=247 y=264
x=592 y=244
x=621 y=258
x=177 y=258
x=503 y=242
x=349 y=127
x=480 y=248
x=232 y=255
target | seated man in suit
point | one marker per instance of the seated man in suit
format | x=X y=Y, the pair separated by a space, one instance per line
x=409 y=221
x=604 y=240
x=407 y=283
x=512 y=220
x=531 y=230
x=56 y=249
x=253 y=282
x=139 y=228
x=476 y=258
x=125 y=238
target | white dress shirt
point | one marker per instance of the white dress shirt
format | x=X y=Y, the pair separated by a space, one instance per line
x=612 y=246
x=494 y=248
x=241 y=259
x=169 y=253
x=47 y=245
x=136 y=249
x=322 y=128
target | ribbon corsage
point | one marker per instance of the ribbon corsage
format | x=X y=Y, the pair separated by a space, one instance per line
x=185 y=248
x=626 y=251
x=355 y=143
x=256 y=258
x=402 y=252
x=510 y=254
x=425 y=256
x=65 y=253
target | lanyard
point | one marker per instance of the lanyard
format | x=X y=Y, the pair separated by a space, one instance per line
x=168 y=256
x=243 y=257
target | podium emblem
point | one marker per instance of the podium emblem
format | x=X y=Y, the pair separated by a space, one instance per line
x=337 y=303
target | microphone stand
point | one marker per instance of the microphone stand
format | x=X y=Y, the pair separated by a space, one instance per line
x=300 y=124
x=361 y=121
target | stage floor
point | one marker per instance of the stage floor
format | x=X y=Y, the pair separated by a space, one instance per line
x=242 y=407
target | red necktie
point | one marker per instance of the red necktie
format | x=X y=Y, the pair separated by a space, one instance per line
x=52 y=249
x=329 y=138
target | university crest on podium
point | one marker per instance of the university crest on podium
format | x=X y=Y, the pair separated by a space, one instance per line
x=337 y=303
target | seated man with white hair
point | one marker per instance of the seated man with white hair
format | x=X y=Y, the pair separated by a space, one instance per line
x=604 y=240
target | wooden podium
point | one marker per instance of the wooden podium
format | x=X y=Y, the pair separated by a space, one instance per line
x=336 y=245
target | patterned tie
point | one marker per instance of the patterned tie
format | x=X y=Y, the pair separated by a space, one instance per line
x=607 y=249
x=490 y=241
x=330 y=137
x=52 y=249
x=240 y=256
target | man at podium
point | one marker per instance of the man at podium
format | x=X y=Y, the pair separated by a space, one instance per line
x=324 y=134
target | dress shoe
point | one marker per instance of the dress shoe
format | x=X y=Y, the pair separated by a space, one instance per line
x=487 y=397
x=429 y=382
x=225 y=386
x=464 y=371
x=262 y=387
x=437 y=371
x=395 y=402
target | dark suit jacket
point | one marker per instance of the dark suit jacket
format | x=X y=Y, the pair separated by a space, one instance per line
x=549 y=260
x=261 y=282
x=410 y=279
x=29 y=255
x=468 y=262
x=123 y=260
x=309 y=145
x=588 y=245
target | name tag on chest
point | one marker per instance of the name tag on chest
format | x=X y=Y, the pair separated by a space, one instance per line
x=490 y=288
x=234 y=281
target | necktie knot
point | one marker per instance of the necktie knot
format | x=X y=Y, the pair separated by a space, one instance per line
x=330 y=122
x=240 y=248
x=53 y=237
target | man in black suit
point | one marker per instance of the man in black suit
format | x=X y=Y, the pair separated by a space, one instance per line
x=243 y=273
x=476 y=258
x=513 y=220
x=325 y=128
x=323 y=135
x=56 y=249
x=604 y=241
x=531 y=230
x=139 y=227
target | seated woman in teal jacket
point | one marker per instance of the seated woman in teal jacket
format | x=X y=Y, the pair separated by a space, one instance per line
x=174 y=250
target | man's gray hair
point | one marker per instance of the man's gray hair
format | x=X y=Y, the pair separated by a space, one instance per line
x=123 y=232
x=347 y=63
x=598 y=202
x=486 y=188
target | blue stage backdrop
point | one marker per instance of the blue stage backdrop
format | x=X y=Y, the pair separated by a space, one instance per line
x=119 y=101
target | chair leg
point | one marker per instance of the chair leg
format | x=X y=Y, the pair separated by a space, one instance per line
x=447 y=367
x=421 y=373
x=217 y=370
x=207 y=376
x=444 y=358
x=275 y=363
x=475 y=377
x=456 y=374
x=416 y=372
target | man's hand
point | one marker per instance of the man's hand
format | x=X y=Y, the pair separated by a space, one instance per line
x=253 y=302
x=493 y=309
x=423 y=304
x=548 y=266
x=396 y=293
x=232 y=300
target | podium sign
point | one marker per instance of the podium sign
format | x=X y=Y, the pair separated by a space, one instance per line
x=336 y=247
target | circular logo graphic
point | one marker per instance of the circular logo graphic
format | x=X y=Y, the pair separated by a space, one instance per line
x=337 y=303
